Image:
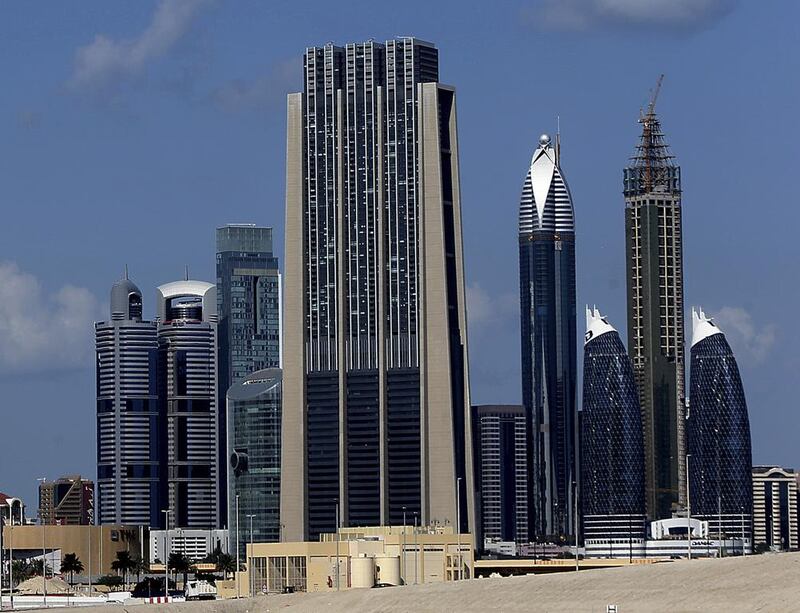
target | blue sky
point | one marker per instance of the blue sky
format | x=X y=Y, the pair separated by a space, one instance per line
x=130 y=130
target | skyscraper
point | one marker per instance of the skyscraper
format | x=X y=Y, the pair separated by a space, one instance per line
x=131 y=469
x=254 y=449
x=376 y=390
x=501 y=461
x=187 y=346
x=67 y=501
x=549 y=360
x=248 y=309
x=612 y=449
x=718 y=434
x=654 y=260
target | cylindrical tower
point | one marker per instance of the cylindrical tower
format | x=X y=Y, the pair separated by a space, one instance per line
x=612 y=449
x=718 y=433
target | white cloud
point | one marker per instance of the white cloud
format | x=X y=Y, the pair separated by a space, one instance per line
x=749 y=343
x=262 y=92
x=484 y=310
x=648 y=14
x=105 y=59
x=40 y=330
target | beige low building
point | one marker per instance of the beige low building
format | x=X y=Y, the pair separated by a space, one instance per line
x=360 y=557
x=95 y=545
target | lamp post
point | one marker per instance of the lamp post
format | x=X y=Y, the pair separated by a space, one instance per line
x=43 y=480
x=688 y=508
x=166 y=513
x=238 y=590
x=741 y=508
x=575 y=502
x=403 y=549
x=415 y=547
x=250 y=558
x=10 y=502
x=337 y=545
x=458 y=526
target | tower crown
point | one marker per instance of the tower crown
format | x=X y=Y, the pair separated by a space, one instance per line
x=546 y=203
x=702 y=326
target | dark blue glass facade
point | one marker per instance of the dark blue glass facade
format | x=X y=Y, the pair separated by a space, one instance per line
x=248 y=296
x=549 y=364
x=720 y=465
x=254 y=467
x=612 y=446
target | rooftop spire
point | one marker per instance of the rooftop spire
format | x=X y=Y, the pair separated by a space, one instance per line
x=186 y=273
x=126 y=272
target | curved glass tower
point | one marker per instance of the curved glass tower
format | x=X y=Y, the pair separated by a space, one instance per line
x=612 y=446
x=718 y=433
x=547 y=310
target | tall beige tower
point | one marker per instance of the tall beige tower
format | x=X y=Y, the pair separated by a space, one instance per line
x=376 y=391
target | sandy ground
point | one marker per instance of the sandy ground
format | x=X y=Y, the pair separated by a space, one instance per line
x=757 y=583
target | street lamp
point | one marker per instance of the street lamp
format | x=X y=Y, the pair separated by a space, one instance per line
x=688 y=507
x=337 y=545
x=250 y=558
x=43 y=480
x=403 y=548
x=415 y=548
x=167 y=513
x=458 y=526
x=10 y=502
x=238 y=592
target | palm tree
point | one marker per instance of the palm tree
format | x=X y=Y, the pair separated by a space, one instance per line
x=123 y=564
x=38 y=567
x=139 y=567
x=71 y=564
x=180 y=564
x=226 y=563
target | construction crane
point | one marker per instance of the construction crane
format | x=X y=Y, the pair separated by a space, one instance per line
x=651 y=107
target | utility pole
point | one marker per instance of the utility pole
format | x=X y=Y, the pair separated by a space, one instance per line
x=166 y=513
x=337 y=545
x=42 y=481
x=403 y=549
x=458 y=526
x=688 y=508
x=250 y=558
x=238 y=590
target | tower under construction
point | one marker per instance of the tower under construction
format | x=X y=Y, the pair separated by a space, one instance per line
x=654 y=260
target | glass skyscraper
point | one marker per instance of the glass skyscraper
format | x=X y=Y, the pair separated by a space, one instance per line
x=375 y=367
x=654 y=262
x=612 y=449
x=549 y=360
x=248 y=308
x=502 y=479
x=718 y=433
x=131 y=438
x=254 y=450
x=187 y=374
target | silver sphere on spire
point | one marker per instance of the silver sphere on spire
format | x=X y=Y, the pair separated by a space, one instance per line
x=544 y=140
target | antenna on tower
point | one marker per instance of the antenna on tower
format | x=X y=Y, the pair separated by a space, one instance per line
x=186 y=273
x=558 y=140
x=126 y=272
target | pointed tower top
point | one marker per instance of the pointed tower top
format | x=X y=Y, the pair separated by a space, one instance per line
x=702 y=326
x=596 y=324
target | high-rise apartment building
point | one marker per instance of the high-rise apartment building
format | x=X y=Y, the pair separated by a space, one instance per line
x=187 y=374
x=775 y=509
x=248 y=310
x=654 y=260
x=549 y=360
x=501 y=461
x=131 y=447
x=376 y=391
x=254 y=451
x=612 y=449
x=67 y=501
x=718 y=435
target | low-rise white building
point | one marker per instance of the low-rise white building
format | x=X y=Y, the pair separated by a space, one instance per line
x=194 y=544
